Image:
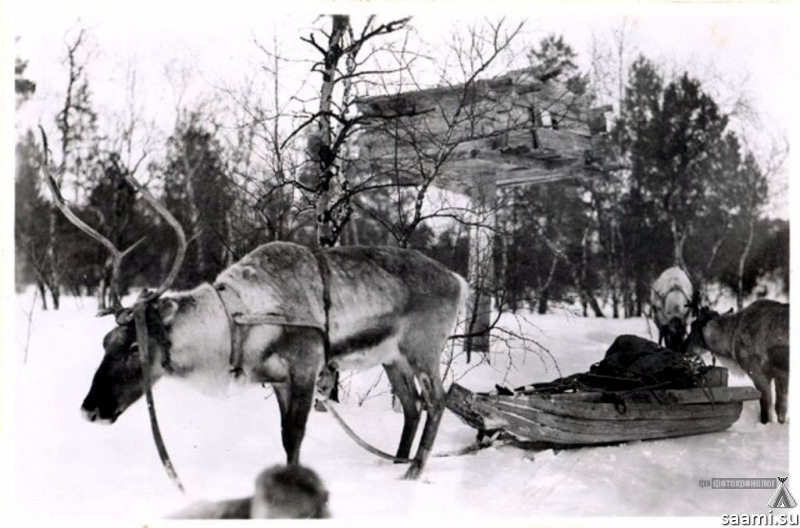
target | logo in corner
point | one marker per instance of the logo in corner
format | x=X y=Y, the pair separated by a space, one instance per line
x=782 y=498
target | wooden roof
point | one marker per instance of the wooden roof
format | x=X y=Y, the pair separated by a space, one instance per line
x=516 y=128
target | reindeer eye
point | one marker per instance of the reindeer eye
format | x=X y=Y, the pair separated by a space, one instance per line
x=134 y=347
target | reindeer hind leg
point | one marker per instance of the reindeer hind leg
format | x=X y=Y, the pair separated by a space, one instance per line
x=434 y=396
x=422 y=347
x=422 y=350
x=402 y=379
x=781 y=396
x=764 y=384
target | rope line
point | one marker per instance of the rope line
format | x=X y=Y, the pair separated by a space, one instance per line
x=374 y=450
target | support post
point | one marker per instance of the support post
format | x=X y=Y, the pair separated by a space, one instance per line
x=483 y=195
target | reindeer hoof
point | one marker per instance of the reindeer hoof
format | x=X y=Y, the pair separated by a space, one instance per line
x=413 y=472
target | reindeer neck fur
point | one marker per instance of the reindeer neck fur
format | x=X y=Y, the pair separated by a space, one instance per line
x=200 y=340
x=719 y=335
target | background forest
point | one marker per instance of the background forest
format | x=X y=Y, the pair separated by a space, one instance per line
x=268 y=158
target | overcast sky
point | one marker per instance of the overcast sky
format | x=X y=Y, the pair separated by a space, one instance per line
x=748 y=46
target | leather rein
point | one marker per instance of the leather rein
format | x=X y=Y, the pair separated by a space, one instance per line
x=238 y=317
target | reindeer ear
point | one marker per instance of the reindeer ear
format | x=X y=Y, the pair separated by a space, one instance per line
x=167 y=308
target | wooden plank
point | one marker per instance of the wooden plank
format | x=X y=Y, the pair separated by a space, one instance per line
x=665 y=397
x=717 y=395
x=535 y=424
x=715 y=377
x=564 y=142
x=573 y=432
x=459 y=401
x=589 y=412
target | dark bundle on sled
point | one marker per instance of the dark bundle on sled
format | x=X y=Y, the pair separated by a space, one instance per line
x=638 y=391
x=631 y=362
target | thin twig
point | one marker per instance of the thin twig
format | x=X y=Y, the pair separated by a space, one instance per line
x=30 y=320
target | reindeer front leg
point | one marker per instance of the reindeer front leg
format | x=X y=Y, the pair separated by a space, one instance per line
x=302 y=355
x=294 y=400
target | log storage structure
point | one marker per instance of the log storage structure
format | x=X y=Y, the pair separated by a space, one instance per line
x=521 y=128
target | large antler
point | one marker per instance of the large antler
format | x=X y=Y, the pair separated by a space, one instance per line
x=138 y=313
x=176 y=226
x=116 y=254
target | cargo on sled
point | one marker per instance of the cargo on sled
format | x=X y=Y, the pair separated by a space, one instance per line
x=639 y=391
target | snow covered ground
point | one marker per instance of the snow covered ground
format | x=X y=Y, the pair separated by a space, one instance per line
x=65 y=467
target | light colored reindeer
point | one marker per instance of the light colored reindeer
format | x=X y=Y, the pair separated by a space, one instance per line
x=756 y=339
x=670 y=296
x=279 y=316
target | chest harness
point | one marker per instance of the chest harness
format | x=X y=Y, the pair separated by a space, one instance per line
x=240 y=318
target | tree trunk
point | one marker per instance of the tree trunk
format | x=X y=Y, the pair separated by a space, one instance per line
x=679 y=240
x=54 y=277
x=325 y=155
x=228 y=258
x=42 y=293
x=481 y=261
x=641 y=294
x=587 y=298
x=194 y=220
x=542 y=306
x=101 y=295
x=598 y=312
x=742 y=261
x=326 y=158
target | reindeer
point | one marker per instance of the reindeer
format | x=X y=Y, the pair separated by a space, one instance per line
x=280 y=315
x=756 y=339
x=670 y=296
x=282 y=492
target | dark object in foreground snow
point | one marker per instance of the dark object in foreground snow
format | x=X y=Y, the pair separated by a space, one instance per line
x=282 y=492
x=631 y=395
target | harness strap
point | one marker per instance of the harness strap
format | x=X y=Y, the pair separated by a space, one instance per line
x=674 y=287
x=324 y=274
x=232 y=305
x=140 y=318
x=238 y=317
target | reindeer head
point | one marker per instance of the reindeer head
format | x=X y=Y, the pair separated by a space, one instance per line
x=119 y=381
x=126 y=370
x=696 y=342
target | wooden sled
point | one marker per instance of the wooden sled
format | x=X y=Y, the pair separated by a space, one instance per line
x=597 y=417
